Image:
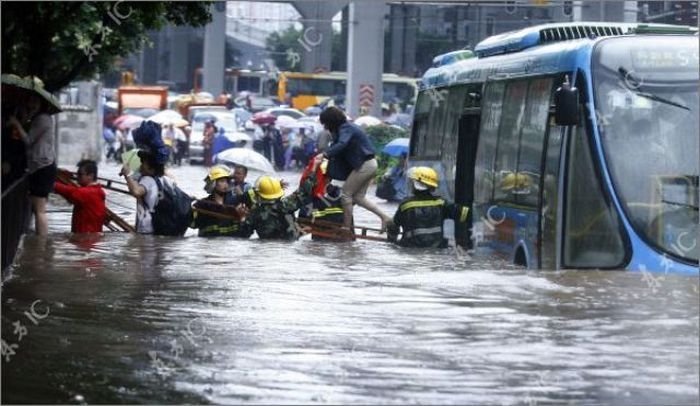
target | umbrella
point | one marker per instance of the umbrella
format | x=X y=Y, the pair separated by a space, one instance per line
x=33 y=84
x=132 y=160
x=313 y=111
x=246 y=157
x=367 y=121
x=165 y=117
x=396 y=147
x=287 y=122
x=141 y=112
x=181 y=123
x=128 y=121
x=263 y=118
x=238 y=136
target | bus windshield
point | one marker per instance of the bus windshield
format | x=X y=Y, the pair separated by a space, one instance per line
x=646 y=96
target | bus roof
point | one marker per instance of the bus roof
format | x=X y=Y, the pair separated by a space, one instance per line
x=541 y=49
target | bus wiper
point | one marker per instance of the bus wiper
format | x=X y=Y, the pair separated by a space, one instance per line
x=627 y=77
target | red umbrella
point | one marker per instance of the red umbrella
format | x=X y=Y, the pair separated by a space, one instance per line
x=263 y=118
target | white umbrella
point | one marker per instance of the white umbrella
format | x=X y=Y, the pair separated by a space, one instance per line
x=287 y=122
x=165 y=117
x=367 y=121
x=237 y=136
x=311 y=123
x=246 y=157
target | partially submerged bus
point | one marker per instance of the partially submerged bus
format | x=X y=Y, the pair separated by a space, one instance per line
x=310 y=89
x=576 y=145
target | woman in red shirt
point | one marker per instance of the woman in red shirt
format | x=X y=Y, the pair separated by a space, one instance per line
x=89 y=211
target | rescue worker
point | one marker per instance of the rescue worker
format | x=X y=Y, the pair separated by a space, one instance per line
x=220 y=194
x=89 y=210
x=421 y=215
x=241 y=189
x=323 y=202
x=272 y=217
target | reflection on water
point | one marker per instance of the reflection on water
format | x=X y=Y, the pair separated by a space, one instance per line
x=138 y=319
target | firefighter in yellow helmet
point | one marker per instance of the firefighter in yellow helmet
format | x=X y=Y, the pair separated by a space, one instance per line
x=222 y=201
x=272 y=217
x=420 y=217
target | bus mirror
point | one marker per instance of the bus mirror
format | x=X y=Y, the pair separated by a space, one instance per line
x=566 y=104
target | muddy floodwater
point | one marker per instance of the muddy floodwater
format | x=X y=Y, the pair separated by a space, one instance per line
x=119 y=318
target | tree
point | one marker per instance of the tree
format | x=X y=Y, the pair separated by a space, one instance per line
x=284 y=48
x=63 y=41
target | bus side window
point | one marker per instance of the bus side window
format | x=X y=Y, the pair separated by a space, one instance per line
x=488 y=138
x=508 y=142
x=532 y=141
x=421 y=128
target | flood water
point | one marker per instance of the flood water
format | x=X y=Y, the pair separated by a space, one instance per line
x=119 y=318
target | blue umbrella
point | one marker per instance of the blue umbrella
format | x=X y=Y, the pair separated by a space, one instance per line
x=396 y=147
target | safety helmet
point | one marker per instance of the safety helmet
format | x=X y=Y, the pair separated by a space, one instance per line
x=269 y=188
x=515 y=181
x=218 y=172
x=423 y=177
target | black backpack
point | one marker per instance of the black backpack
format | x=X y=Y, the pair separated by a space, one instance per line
x=173 y=212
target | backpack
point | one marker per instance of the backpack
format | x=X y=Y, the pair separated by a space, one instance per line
x=173 y=212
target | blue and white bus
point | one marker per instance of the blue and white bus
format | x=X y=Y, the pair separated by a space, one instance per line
x=576 y=144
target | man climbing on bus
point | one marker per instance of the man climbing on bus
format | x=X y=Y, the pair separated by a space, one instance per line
x=422 y=214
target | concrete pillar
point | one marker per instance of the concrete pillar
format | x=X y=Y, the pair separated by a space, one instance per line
x=344 y=28
x=404 y=31
x=365 y=54
x=214 y=50
x=316 y=42
x=179 y=54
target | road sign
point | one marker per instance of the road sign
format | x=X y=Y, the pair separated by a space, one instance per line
x=366 y=95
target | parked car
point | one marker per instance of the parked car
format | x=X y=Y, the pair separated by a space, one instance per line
x=222 y=118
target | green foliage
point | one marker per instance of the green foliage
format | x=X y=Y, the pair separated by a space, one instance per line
x=380 y=135
x=63 y=41
x=282 y=46
x=287 y=49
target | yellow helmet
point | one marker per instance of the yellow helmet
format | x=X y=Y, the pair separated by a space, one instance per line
x=515 y=181
x=269 y=188
x=218 y=172
x=425 y=175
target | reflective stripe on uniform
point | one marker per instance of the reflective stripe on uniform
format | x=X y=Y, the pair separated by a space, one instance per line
x=327 y=212
x=421 y=203
x=422 y=231
x=220 y=229
x=463 y=215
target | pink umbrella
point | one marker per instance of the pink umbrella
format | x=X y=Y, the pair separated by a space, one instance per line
x=128 y=121
x=263 y=118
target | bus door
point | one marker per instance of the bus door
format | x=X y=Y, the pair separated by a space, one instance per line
x=466 y=157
